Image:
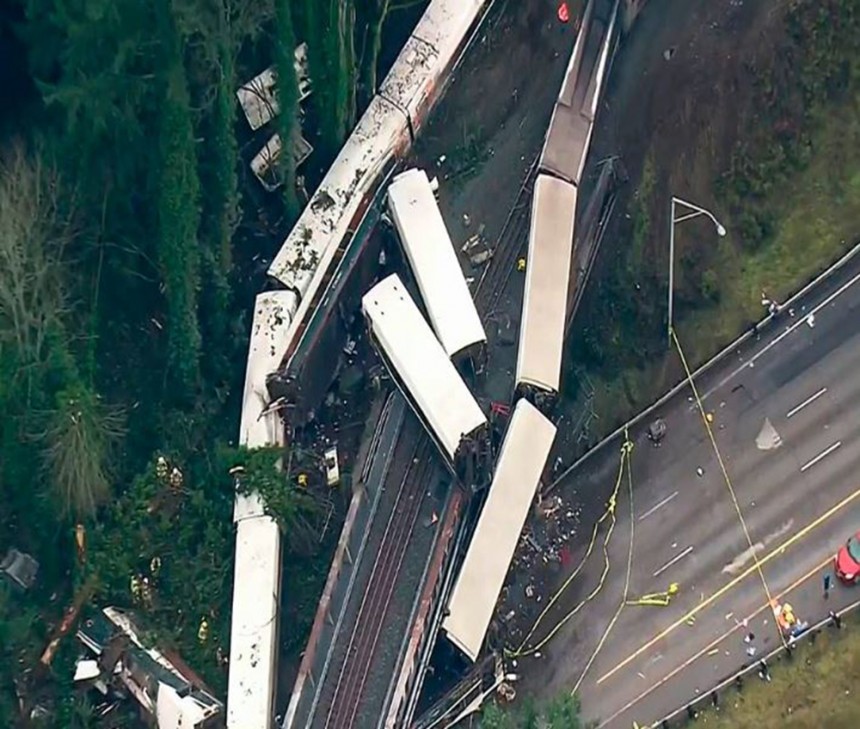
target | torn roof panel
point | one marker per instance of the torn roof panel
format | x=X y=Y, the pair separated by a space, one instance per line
x=413 y=76
x=324 y=221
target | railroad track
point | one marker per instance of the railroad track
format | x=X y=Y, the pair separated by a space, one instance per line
x=514 y=232
x=342 y=711
x=354 y=670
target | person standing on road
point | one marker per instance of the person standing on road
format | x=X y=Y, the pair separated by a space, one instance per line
x=827 y=581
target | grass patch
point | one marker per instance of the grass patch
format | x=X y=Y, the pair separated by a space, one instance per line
x=786 y=190
x=817 y=688
x=818 y=218
x=817 y=214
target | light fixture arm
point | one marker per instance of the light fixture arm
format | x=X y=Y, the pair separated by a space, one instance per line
x=696 y=212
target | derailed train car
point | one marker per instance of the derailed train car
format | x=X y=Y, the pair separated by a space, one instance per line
x=521 y=464
x=433 y=261
x=551 y=238
x=304 y=268
x=542 y=324
x=429 y=381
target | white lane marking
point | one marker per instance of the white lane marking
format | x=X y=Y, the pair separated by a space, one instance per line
x=672 y=561
x=749 y=363
x=811 y=399
x=826 y=452
x=658 y=505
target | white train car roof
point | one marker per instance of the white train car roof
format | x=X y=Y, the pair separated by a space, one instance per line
x=434 y=263
x=429 y=52
x=569 y=136
x=421 y=364
x=445 y=24
x=258 y=426
x=253 y=630
x=521 y=462
x=254 y=624
x=547 y=277
x=320 y=228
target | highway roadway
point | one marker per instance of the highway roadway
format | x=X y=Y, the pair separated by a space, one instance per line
x=785 y=422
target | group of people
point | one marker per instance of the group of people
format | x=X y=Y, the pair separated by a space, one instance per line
x=788 y=621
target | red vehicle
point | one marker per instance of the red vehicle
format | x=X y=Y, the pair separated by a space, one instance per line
x=847 y=561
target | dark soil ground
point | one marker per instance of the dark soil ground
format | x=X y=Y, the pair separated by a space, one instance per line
x=490 y=125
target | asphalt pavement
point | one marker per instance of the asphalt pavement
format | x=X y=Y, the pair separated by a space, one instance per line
x=784 y=420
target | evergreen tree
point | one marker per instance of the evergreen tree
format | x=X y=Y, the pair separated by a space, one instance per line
x=330 y=26
x=559 y=713
x=78 y=438
x=178 y=220
x=376 y=13
x=288 y=101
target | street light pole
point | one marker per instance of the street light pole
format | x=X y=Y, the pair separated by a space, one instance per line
x=696 y=212
x=671 y=272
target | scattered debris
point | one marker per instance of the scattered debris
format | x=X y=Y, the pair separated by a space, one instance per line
x=506 y=692
x=657 y=431
x=167 y=690
x=332 y=470
x=19 y=568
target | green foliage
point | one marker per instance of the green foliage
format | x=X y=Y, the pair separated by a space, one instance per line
x=95 y=43
x=816 y=64
x=219 y=162
x=19 y=638
x=77 y=440
x=330 y=25
x=709 y=286
x=259 y=471
x=623 y=322
x=117 y=219
x=179 y=218
x=183 y=518
x=35 y=232
x=376 y=12
x=560 y=713
x=288 y=101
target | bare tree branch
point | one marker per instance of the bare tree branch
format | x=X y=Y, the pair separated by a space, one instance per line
x=35 y=230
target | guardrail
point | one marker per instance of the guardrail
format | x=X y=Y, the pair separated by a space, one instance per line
x=690 y=711
x=707 y=366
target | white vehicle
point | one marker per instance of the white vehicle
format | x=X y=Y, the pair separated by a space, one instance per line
x=265 y=163
x=421 y=368
x=259 y=97
x=434 y=264
x=257 y=564
x=521 y=463
x=542 y=326
x=332 y=470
